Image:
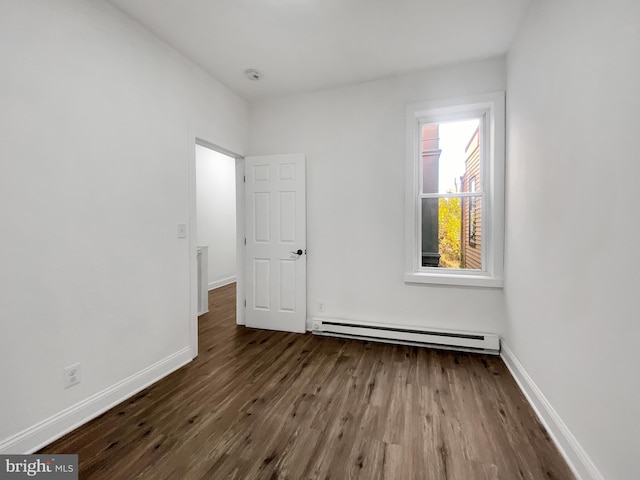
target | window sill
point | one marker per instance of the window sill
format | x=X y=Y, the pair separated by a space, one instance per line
x=461 y=280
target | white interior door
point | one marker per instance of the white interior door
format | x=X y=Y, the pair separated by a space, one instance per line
x=276 y=260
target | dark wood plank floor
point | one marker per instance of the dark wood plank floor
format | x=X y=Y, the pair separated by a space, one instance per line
x=271 y=405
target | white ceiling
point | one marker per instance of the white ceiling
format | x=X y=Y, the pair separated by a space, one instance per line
x=305 y=45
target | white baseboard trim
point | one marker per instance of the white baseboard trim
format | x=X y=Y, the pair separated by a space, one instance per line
x=34 y=438
x=222 y=282
x=577 y=459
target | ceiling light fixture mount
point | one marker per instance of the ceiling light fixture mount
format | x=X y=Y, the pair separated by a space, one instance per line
x=252 y=74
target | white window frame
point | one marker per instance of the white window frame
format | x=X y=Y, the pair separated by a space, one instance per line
x=491 y=107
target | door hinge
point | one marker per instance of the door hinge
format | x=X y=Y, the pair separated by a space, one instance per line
x=244 y=179
x=245 y=304
x=245 y=240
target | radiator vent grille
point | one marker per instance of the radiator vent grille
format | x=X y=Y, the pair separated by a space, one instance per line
x=433 y=338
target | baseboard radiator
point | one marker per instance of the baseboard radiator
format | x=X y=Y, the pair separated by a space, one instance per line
x=425 y=337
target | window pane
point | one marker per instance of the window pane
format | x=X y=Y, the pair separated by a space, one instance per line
x=450 y=156
x=452 y=233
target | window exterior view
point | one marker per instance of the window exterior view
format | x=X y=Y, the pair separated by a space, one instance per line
x=471 y=218
x=451 y=230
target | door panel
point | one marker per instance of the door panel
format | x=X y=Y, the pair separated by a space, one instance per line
x=276 y=229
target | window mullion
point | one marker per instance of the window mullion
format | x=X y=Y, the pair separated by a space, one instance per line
x=451 y=195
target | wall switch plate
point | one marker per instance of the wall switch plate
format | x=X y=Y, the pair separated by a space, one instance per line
x=182 y=230
x=72 y=375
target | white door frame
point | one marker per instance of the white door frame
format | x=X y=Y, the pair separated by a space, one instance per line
x=193 y=237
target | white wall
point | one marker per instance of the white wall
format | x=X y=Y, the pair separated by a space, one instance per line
x=216 y=203
x=354 y=142
x=572 y=268
x=98 y=120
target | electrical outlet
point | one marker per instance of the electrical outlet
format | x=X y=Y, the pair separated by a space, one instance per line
x=72 y=375
x=182 y=230
x=320 y=306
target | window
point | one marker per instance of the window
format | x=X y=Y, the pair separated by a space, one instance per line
x=455 y=191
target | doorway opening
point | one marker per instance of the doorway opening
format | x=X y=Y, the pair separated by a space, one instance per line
x=216 y=215
x=217 y=226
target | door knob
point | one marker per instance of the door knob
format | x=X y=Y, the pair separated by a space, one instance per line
x=299 y=252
